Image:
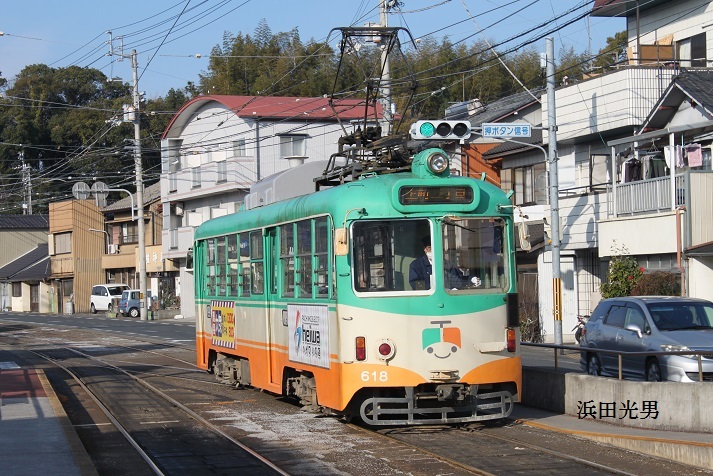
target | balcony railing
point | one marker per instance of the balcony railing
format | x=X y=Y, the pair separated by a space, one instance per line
x=645 y=196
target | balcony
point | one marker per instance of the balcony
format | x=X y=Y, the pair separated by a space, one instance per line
x=645 y=196
x=208 y=179
x=619 y=99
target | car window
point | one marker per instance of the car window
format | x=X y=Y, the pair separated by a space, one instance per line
x=634 y=315
x=616 y=316
x=681 y=315
x=600 y=311
x=115 y=291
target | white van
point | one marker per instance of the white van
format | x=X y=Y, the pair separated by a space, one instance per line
x=103 y=296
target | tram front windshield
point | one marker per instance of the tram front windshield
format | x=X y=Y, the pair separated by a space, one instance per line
x=405 y=256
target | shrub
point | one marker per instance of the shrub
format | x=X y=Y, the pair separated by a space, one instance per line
x=624 y=273
x=658 y=283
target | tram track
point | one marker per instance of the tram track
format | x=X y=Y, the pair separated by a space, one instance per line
x=228 y=454
x=297 y=442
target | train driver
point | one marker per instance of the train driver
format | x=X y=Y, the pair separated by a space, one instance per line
x=421 y=272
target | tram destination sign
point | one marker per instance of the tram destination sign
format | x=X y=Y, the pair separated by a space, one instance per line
x=429 y=195
x=502 y=129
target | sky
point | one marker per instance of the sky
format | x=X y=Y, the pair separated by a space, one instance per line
x=168 y=34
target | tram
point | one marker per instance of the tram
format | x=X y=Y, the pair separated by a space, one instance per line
x=315 y=297
x=373 y=285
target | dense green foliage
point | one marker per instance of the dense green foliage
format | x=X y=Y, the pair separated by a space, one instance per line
x=658 y=283
x=66 y=123
x=624 y=273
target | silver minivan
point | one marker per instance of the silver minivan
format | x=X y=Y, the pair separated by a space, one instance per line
x=106 y=296
x=649 y=324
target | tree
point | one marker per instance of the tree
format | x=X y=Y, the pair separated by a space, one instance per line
x=624 y=273
x=658 y=283
x=612 y=52
x=66 y=122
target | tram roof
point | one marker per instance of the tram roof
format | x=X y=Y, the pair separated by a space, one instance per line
x=336 y=201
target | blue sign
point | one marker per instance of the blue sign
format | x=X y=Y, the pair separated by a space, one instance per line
x=515 y=129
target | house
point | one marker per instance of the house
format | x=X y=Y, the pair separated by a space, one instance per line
x=216 y=147
x=28 y=276
x=596 y=119
x=19 y=234
x=120 y=257
x=672 y=211
x=75 y=253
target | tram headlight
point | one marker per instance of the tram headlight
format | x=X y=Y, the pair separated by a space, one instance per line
x=385 y=349
x=437 y=163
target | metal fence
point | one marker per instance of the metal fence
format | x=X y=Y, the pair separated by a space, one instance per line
x=555 y=347
x=646 y=196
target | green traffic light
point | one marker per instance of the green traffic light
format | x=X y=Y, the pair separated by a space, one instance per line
x=427 y=129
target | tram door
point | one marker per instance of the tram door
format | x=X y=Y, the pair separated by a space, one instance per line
x=274 y=312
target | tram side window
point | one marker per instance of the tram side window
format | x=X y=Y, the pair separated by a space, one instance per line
x=244 y=264
x=287 y=259
x=321 y=257
x=304 y=258
x=210 y=260
x=221 y=270
x=257 y=275
x=233 y=289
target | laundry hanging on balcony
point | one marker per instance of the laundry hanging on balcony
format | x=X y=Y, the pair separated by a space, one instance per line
x=694 y=155
x=654 y=166
x=674 y=156
x=632 y=170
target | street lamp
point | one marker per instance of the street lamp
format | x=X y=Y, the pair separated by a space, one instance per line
x=107 y=236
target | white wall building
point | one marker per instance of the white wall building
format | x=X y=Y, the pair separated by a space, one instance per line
x=216 y=147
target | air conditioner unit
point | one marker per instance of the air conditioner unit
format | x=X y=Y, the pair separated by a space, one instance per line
x=113 y=249
x=179 y=209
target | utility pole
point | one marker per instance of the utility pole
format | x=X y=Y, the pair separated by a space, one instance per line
x=554 y=191
x=26 y=186
x=139 y=188
x=386 y=72
x=135 y=117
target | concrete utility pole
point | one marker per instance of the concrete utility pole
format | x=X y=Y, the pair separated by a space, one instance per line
x=139 y=187
x=386 y=72
x=26 y=186
x=554 y=192
x=135 y=117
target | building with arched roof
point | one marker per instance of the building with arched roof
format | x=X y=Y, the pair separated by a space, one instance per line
x=216 y=147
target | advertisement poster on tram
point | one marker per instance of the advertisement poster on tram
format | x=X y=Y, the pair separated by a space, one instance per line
x=222 y=320
x=309 y=334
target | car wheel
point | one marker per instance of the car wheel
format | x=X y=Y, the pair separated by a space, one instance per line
x=133 y=312
x=94 y=309
x=594 y=367
x=110 y=307
x=653 y=371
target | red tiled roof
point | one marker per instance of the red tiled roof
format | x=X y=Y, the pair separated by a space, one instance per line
x=280 y=107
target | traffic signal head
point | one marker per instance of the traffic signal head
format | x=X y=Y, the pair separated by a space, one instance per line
x=440 y=130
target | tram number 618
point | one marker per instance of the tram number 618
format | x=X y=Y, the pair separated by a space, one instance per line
x=375 y=376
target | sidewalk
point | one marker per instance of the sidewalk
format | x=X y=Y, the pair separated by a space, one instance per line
x=695 y=449
x=36 y=437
